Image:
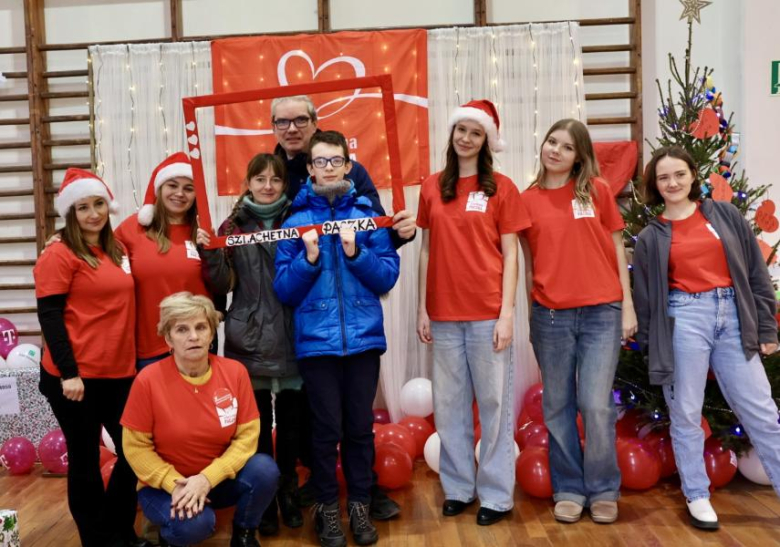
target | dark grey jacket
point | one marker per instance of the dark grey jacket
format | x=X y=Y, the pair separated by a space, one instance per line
x=258 y=328
x=755 y=296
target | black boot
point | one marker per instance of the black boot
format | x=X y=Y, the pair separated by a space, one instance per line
x=327 y=524
x=363 y=530
x=382 y=507
x=288 y=505
x=269 y=523
x=243 y=537
x=306 y=495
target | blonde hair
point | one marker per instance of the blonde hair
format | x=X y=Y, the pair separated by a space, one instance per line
x=73 y=237
x=585 y=168
x=185 y=305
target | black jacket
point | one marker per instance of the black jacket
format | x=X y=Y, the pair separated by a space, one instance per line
x=258 y=328
x=755 y=295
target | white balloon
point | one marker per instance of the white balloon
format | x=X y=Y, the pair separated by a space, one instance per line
x=108 y=441
x=432 y=451
x=417 y=397
x=750 y=466
x=479 y=445
x=24 y=356
x=2 y=363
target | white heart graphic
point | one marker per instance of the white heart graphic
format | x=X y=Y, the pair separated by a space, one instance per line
x=195 y=153
x=193 y=139
x=357 y=65
x=190 y=126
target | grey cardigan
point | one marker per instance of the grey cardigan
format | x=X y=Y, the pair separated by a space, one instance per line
x=755 y=295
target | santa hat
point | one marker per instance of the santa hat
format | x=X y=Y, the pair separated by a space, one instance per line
x=485 y=114
x=79 y=184
x=177 y=165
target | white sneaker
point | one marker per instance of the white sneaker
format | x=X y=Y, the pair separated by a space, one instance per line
x=702 y=514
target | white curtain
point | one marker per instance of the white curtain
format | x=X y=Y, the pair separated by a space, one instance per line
x=531 y=72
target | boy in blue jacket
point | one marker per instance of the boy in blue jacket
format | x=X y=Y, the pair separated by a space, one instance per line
x=334 y=283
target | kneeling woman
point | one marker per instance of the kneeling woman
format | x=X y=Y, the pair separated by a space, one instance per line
x=704 y=299
x=191 y=429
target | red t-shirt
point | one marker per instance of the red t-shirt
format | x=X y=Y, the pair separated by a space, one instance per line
x=697 y=260
x=574 y=258
x=159 y=275
x=99 y=310
x=465 y=264
x=190 y=425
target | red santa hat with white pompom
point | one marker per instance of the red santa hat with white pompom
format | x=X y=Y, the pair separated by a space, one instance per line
x=485 y=114
x=79 y=184
x=176 y=165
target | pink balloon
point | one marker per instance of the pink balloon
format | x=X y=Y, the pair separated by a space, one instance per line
x=381 y=416
x=9 y=337
x=18 y=455
x=532 y=403
x=53 y=452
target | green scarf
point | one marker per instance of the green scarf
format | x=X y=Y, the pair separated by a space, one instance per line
x=265 y=213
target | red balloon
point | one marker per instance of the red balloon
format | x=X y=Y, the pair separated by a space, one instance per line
x=580 y=426
x=475 y=412
x=381 y=416
x=398 y=435
x=106 y=471
x=540 y=438
x=661 y=442
x=431 y=420
x=532 y=471
x=721 y=463
x=105 y=456
x=393 y=466
x=376 y=428
x=524 y=432
x=630 y=424
x=639 y=464
x=340 y=475
x=18 y=455
x=523 y=419
x=705 y=425
x=532 y=402
x=53 y=452
x=477 y=434
x=420 y=430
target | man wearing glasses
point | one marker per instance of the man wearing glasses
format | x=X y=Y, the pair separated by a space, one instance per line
x=295 y=120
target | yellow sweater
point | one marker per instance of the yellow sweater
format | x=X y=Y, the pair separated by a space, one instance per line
x=153 y=471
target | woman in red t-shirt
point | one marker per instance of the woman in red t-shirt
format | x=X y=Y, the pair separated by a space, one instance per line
x=86 y=308
x=191 y=429
x=578 y=281
x=467 y=282
x=160 y=242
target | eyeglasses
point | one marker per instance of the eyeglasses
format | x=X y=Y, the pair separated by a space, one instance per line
x=283 y=124
x=335 y=161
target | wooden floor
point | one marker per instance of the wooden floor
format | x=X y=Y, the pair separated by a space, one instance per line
x=749 y=515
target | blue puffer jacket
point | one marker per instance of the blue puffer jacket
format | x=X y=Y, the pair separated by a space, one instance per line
x=336 y=300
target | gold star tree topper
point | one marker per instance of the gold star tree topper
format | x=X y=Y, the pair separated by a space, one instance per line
x=692 y=9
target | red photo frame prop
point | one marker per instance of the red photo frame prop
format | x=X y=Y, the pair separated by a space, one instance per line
x=191 y=104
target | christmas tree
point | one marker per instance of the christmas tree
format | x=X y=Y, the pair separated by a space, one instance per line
x=692 y=117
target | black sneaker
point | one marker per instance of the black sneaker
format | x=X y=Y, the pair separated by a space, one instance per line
x=288 y=506
x=327 y=524
x=243 y=537
x=382 y=507
x=363 y=530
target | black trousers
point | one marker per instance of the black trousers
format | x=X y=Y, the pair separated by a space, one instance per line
x=103 y=517
x=291 y=411
x=341 y=393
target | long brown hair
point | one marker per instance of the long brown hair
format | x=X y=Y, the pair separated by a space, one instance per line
x=158 y=229
x=448 y=179
x=73 y=237
x=650 y=193
x=585 y=167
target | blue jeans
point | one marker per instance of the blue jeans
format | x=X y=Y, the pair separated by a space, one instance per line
x=707 y=333
x=577 y=350
x=251 y=492
x=464 y=364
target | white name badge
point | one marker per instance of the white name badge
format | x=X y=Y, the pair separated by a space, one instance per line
x=126 y=264
x=711 y=229
x=192 y=250
x=582 y=211
x=477 y=201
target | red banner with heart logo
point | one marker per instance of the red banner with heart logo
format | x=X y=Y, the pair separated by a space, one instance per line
x=243 y=130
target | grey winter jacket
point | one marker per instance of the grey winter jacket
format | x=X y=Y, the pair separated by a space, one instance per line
x=755 y=296
x=258 y=328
